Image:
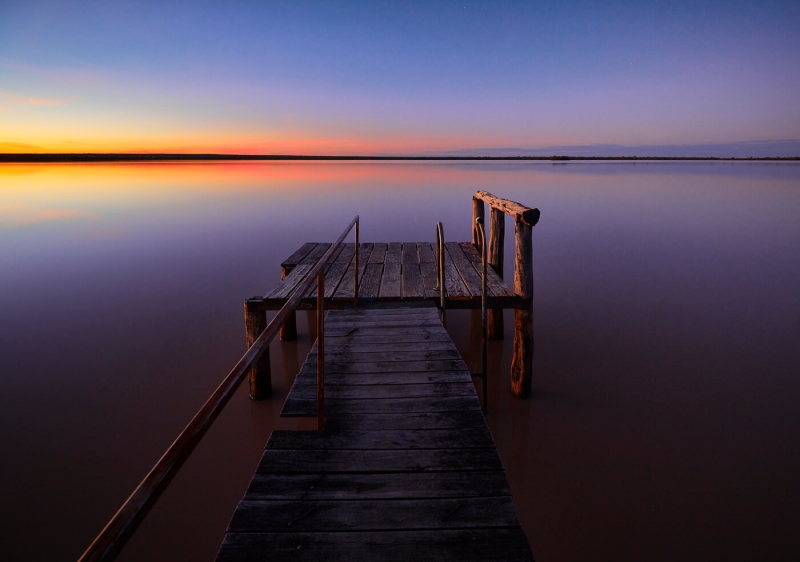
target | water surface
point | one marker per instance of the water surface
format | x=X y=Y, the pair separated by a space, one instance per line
x=663 y=421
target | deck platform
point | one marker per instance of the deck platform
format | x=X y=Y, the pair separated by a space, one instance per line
x=405 y=469
x=392 y=272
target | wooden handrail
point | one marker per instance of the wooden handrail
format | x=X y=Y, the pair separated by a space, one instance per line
x=520 y=212
x=119 y=529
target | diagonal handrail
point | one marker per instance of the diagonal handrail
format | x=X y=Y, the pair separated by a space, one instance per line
x=108 y=544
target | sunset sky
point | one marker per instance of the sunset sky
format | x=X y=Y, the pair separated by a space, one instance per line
x=395 y=78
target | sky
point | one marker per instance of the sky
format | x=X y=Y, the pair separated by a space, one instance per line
x=403 y=78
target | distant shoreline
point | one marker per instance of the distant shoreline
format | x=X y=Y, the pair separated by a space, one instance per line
x=122 y=157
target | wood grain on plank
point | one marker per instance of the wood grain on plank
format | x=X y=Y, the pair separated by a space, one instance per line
x=344 y=460
x=306 y=408
x=507 y=545
x=373 y=515
x=461 y=438
x=393 y=485
x=298 y=255
x=420 y=420
x=382 y=391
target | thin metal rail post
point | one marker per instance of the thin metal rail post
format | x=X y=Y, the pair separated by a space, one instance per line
x=355 y=276
x=440 y=266
x=484 y=314
x=321 y=350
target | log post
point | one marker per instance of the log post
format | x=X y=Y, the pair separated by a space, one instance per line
x=497 y=232
x=255 y=322
x=522 y=360
x=477 y=212
x=289 y=327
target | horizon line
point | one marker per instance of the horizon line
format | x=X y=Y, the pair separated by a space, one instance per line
x=37 y=157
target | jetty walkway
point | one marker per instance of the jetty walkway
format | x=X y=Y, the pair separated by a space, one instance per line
x=405 y=469
x=402 y=465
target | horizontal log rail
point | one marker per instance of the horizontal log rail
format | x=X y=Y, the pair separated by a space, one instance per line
x=525 y=219
x=119 y=529
x=520 y=212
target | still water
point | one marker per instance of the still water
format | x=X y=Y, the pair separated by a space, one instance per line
x=664 y=421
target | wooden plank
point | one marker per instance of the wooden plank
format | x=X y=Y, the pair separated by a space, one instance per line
x=365 y=355
x=293 y=279
x=365 y=313
x=405 y=456
x=412 y=281
x=376 y=336
x=378 y=252
x=494 y=283
x=391 y=284
x=388 y=306
x=347 y=254
x=420 y=420
x=333 y=276
x=399 y=323
x=265 y=516
x=288 y=284
x=426 y=253
x=461 y=438
x=409 y=253
x=397 y=485
x=371 y=283
x=387 y=345
x=382 y=391
x=472 y=279
x=298 y=255
x=429 y=280
x=392 y=366
x=305 y=408
x=346 y=289
x=355 y=461
x=507 y=545
x=307 y=377
x=454 y=284
x=384 y=316
x=394 y=253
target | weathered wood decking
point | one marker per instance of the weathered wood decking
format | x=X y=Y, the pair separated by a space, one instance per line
x=394 y=271
x=406 y=468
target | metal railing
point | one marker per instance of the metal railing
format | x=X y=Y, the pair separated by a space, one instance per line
x=440 y=259
x=108 y=544
x=440 y=250
x=484 y=315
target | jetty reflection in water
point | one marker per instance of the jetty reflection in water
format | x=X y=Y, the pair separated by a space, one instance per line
x=663 y=419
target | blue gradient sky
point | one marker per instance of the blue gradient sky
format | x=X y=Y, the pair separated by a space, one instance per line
x=399 y=78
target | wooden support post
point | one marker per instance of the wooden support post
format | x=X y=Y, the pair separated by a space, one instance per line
x=477 y=212
x=497 y=233
x=522 y=361
x=289 y=327
x=255 y=322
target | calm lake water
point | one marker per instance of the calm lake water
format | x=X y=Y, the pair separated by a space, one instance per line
x=664 y=421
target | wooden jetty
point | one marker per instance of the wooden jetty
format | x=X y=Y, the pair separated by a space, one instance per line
x=405 y=469
x=403 y=466
x=408 y=272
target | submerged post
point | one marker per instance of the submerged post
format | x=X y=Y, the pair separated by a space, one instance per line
x=255 y=321
x=522 y=361
x=497 y=232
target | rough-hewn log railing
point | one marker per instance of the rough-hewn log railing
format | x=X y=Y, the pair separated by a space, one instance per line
x=119 y=529
x=525 y=218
